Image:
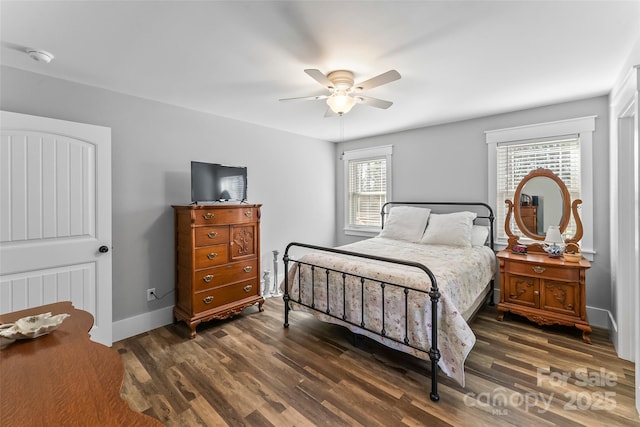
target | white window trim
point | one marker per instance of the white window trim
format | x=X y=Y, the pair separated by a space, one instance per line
x=584 y=127
x=363 y=154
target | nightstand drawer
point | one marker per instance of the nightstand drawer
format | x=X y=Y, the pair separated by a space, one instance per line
x=542 y=270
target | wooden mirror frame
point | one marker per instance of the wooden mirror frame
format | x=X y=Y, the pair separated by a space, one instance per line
x=514 y=208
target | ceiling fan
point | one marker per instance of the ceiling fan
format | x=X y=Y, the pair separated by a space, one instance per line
x=344 y=94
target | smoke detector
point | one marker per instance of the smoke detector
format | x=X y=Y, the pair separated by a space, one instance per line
x=40 y=55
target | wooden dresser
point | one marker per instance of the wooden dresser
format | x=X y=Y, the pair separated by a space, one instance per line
x=529 y=216
x=217 y=261
x=63 y=378
x=544 y=290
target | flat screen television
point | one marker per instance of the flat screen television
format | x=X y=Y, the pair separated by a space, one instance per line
x=213 y=182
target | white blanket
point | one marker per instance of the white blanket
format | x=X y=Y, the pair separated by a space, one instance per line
x=462 y=275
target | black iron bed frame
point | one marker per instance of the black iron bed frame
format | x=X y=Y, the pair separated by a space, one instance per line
x=433 y=293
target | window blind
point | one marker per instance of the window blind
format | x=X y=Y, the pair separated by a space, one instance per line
x=367 y=191
x=516 y=159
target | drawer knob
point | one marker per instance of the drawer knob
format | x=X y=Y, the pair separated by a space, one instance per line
x=212 y=234
x=208 y=215
x=538 y=269
x=536 y=292
x=248 y=268
x=208 y=278
x=212 y=255
x=247 y=288
x=207 y=300
x=248 y=214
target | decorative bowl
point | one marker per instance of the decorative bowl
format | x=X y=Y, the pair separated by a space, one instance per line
x=554 y=251
x=572 y=256
x=30 y=327
x=5 y=341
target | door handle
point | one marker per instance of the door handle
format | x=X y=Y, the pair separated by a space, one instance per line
x=103 y=249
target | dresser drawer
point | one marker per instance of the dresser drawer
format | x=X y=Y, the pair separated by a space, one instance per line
x=225 y=216
x=538 y=270
x=218 y=276
x=216 y=297
x=207 y=236
x=211 y=256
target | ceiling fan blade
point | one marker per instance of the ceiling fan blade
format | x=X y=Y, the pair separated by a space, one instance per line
x=384 y=78
x=302 y=98
x=319 y=76
x=373 y=102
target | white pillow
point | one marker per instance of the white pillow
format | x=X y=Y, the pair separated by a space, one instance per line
x=405 y=223
x=479 y=235
x=453 y=229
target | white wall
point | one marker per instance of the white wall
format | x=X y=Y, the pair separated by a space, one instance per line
x=625 y=211
x=152 y=146
x=449 y=162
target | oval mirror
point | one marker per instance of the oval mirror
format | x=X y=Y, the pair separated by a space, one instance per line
x=543 y=205
x=541 y=200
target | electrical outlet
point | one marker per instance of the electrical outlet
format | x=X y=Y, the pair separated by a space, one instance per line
x=151 y=292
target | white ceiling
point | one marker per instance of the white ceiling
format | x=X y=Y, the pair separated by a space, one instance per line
x=458 y=59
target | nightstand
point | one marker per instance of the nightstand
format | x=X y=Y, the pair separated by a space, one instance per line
x=545 y=290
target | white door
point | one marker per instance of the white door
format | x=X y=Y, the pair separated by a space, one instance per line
x=55 y=216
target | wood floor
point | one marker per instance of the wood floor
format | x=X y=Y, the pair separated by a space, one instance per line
x=251 y=371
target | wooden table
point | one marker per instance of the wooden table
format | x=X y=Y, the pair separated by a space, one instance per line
x=63 y=378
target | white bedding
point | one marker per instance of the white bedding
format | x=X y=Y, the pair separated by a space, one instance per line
x=462 y=276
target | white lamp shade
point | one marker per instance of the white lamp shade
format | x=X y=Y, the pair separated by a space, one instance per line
x=340 y=102
x=554 y=237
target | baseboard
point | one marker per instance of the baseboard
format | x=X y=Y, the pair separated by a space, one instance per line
x=613 y=333
x=141 y=323
x=600 y=318
x=126 y=328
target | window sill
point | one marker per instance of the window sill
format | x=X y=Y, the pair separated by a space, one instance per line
x=373 y=232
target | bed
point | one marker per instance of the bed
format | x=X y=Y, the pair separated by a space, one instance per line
x=413 y=288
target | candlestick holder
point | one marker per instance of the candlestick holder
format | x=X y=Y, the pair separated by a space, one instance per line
x=275 y=291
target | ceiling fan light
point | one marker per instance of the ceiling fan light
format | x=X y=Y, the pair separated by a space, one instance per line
x=341 y=103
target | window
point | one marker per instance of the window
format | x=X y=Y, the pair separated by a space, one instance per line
x=368 y=186
x=516 y=159
x=565 y=147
